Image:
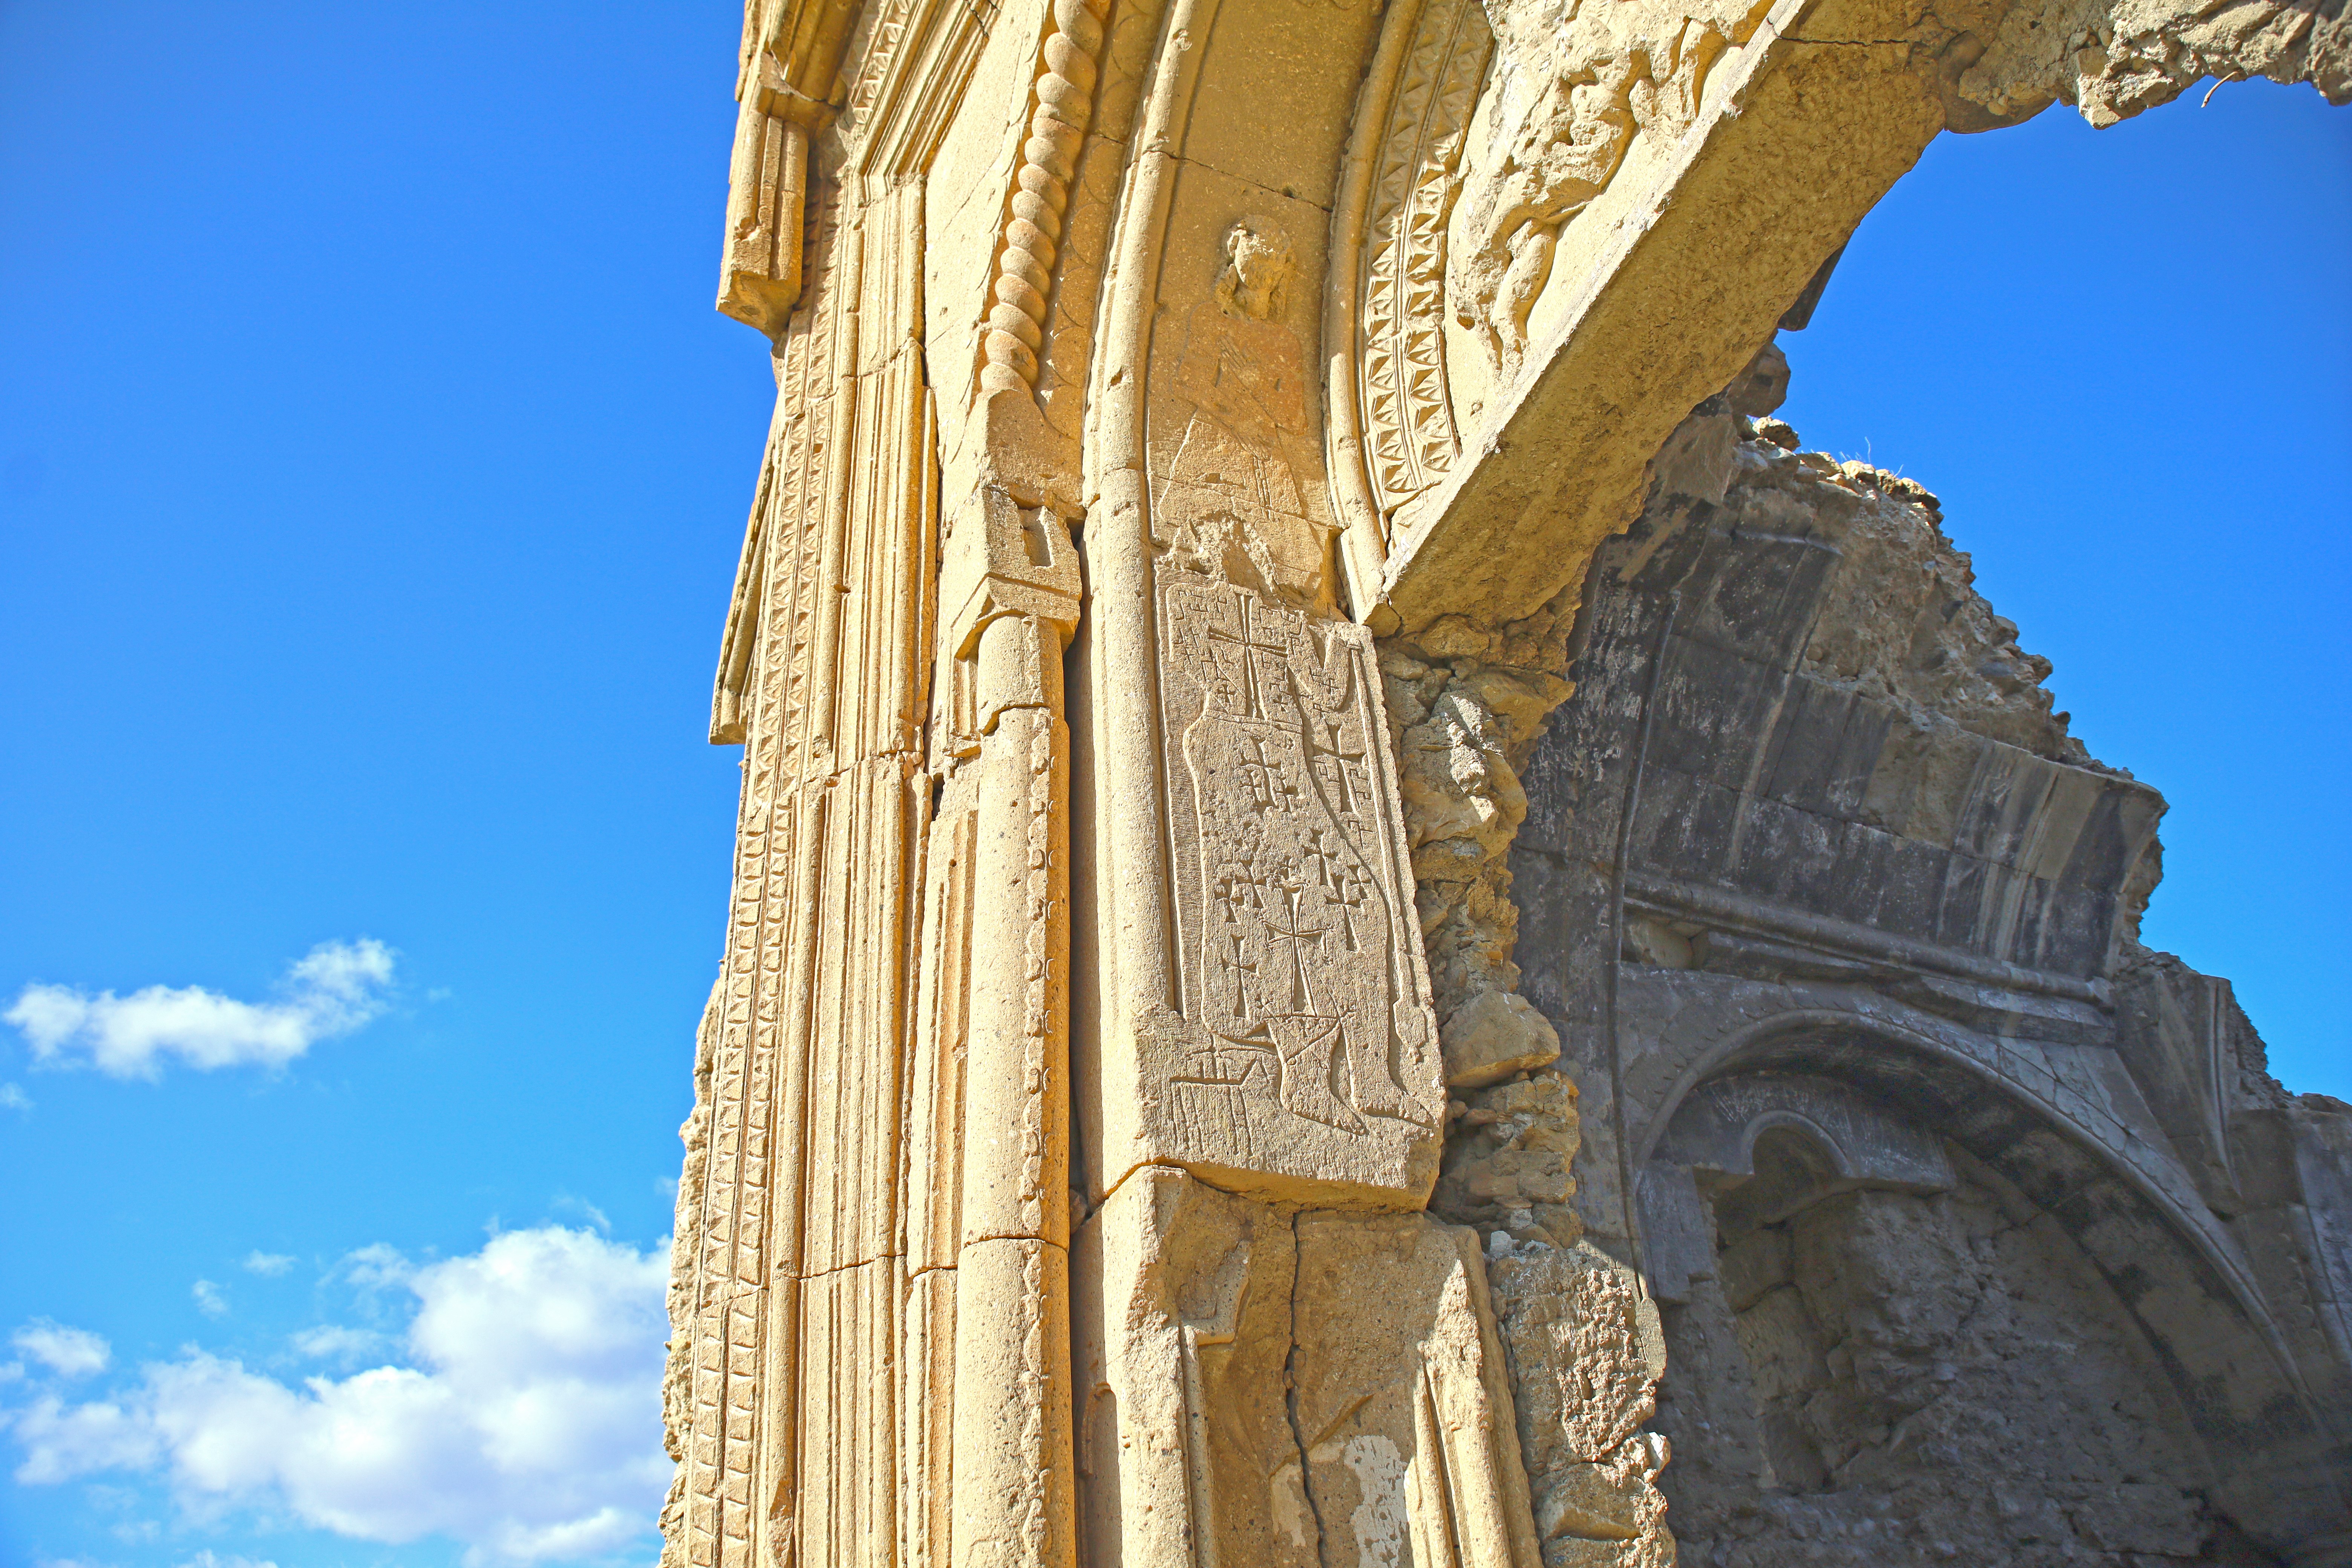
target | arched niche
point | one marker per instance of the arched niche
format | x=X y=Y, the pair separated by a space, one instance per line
x=1808 y=1110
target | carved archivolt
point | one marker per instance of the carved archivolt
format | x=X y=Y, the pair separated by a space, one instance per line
x=1392 y=433
x=1410 y=434
x=883 y=42
x=1474 y=149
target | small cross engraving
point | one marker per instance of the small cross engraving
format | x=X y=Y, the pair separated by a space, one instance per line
x=1263 y=772
x=1331 y=762
x=1249 y=642
x=1295 y=935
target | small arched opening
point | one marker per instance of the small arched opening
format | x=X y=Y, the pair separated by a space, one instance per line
x=1909 y=1317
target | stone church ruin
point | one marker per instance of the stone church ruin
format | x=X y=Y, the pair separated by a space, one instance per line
x=1373 y=924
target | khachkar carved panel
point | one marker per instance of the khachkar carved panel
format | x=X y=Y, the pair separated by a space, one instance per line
x=1307 y=1048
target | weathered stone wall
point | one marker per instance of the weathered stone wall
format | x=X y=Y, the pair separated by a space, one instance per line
x=1811 y=811
x=1885 y=1376
x=1466 y=706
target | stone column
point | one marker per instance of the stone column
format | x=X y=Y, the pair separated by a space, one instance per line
x=1013 y=1490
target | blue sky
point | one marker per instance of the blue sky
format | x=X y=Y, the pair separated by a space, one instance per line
x=372 y=471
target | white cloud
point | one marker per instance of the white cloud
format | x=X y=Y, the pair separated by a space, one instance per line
x=209 y=1300
x=528 y=1425
x=62 y=1441
x=76 y=1353
x=581 y=1205
x=374 y=1268
x=333 y=1342
x=269 y=1264
x=14 y=1098
x=337 y=988
x=210 y=1559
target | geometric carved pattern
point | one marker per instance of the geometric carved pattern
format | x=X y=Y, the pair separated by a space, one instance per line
x=793 y=1222
x=1013 y=330
x=1409 y=429
x=889 y=24
x=725 y=1339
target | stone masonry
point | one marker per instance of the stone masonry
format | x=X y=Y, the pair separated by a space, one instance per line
x=1869 y=876
x=1294 y=992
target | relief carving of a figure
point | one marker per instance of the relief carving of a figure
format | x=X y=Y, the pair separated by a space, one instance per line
x=1243 y=492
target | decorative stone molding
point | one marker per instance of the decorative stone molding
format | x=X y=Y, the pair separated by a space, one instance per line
x=1715 y=1129
x=796 y=1251
x=760 y=276
x=1403 y=173
x=789 y=56
x=1064 y=96
x=1123 y=1128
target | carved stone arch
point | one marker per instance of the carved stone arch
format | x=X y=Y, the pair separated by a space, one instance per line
x=2272 y=1450
x=1392 y=430
x=1623 y=157
x=1937 y=1082
x=1716 y=1128
x=1887 y=1058
x=1078 y=1054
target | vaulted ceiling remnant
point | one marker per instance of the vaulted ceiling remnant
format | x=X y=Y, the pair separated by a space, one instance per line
x=1881 y=1088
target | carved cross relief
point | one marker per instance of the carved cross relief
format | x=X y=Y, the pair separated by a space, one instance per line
x=1306 y=1046
x=1308 y=1038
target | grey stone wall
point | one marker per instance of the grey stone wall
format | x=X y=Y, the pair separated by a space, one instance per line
x=1980 y=1231
x=1885 y=1376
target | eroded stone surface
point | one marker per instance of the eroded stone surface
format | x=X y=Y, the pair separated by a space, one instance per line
x=1586 y=1354
x=1924 y=1375
x=1940 y=1176
x=1124 y=1132
x=1248 y=1374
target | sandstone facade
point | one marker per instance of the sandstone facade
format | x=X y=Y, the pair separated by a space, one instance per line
x=1133 y=1123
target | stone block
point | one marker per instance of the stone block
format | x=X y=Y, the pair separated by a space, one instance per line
x=1491 y=1036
